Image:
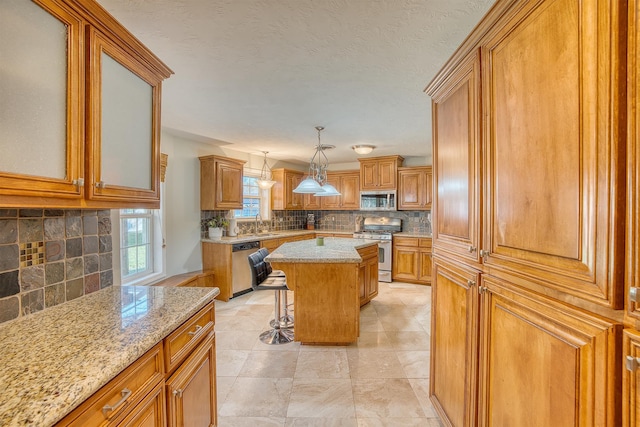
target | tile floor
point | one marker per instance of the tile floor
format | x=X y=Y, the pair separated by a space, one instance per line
x=382 y=380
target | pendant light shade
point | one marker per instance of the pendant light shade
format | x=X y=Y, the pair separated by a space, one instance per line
x=315 y=182
x=265 y=181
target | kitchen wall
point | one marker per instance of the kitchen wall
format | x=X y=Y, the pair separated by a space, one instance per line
x=49 y=256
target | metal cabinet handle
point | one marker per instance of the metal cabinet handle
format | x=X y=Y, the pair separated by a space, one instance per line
x=632 y=363
x=78 y=182
x=177 y=393
x=472 y=249
x=125 y=395
x=101 y=184
x=192 y=333
x=470 y=283
x=484 y=254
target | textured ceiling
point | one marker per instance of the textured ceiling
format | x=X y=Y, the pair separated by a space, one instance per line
x=261 y=74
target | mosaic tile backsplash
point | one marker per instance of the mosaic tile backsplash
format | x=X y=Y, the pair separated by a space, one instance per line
x=49 y=256
x=412 y=221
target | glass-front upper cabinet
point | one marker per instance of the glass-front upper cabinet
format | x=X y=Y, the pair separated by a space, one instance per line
x=123 y=124
x=41 y=75
x=79 y=109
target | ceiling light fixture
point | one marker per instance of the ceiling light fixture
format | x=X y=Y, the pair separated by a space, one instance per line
x=363 y=149
x=316 y=182
x=265 y=181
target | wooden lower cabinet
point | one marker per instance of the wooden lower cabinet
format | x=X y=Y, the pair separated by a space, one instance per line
x=173 y=384
x=412 y=260
x=454 y=343
x=368 y=275
x=191 y=390
x=545 y=363
x=631 y=378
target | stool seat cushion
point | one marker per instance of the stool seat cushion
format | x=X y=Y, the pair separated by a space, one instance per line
x=262 y=276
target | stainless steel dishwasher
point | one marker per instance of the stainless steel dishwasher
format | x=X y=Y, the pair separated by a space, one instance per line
x=240 y=270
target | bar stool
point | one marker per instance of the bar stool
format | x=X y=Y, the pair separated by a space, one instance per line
x=260 y=280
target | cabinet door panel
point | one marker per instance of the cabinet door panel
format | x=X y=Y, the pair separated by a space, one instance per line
x=351 y=191
x=387 y=174
x=123 y=126
x=553 y=188
x=41 y=114
x=454 y=339
x=545 y=363
x=456 y=168
x=425 y=266
x=405 y=263
x=332 y=202
x=228 y=186
x=369 y=176
x=410 y=183
x=191 y=390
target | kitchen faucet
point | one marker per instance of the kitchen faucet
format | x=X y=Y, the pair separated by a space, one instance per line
x=258 y=216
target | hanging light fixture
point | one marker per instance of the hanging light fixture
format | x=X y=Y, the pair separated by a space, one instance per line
x=316 y=182
x=265 y=181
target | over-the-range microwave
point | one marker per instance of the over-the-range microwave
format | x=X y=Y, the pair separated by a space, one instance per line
x=384 y=200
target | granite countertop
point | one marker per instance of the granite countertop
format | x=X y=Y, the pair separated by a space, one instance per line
x=53 y=360
x=411 y=234
x=335 y=250
x=259 y=237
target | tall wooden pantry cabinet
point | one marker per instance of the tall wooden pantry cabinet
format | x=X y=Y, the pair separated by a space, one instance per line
x=528 y=283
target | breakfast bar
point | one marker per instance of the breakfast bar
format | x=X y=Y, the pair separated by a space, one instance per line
x=330 y=279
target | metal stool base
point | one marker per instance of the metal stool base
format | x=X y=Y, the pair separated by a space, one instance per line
x=277 y=336
x=286 y=322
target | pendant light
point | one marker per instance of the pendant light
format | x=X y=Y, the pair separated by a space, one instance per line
x=315 y=182
x=265 y=181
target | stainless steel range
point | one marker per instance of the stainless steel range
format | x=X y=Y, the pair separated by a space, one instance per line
x=381 y=229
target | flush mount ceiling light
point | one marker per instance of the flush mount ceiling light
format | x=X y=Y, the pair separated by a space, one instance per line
x=316 y=182
x=265 y=181
x=363 y=149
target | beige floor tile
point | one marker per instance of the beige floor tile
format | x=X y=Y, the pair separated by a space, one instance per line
x=323 y=364
x=409 y=340
x=223 y=387
x=373 y=340
x=386 y=398
x=421 y=388
x=321 y=422
x=321 y=398
x=230 y=362
x=242 y=323
x=257 y=397
x=394 y=422
x=266 y=364
x=414 y=363
x=237 y=340
x=250 y=422
x=374 y=364
x=370 y=324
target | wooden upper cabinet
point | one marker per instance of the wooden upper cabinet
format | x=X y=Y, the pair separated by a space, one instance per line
x=86 y=131
x=415 y=188
x=457 y=162
x=348 y=184
x=554 y=96
x=282 y=195
x=379 y=173
x=220 y=183
x=545 y=363
x=633 y=171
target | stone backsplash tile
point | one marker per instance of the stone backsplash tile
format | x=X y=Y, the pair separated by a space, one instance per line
x=49 y=256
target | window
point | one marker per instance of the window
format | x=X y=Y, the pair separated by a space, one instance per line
x=136 y=243
x=254 y=199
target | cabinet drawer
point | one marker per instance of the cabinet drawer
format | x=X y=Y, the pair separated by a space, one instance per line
x=406 y=241
x=121 y=395
x=183 y=340
x=424 y=243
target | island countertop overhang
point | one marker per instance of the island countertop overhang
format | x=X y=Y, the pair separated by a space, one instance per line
x=334 y=250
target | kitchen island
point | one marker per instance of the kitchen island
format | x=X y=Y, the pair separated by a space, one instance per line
x=329 y=283
x=54 y=360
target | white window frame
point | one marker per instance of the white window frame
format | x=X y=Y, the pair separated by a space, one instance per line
x=264 y=196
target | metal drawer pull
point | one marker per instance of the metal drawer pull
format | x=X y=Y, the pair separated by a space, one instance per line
x=125 y=395
x=192 y=333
